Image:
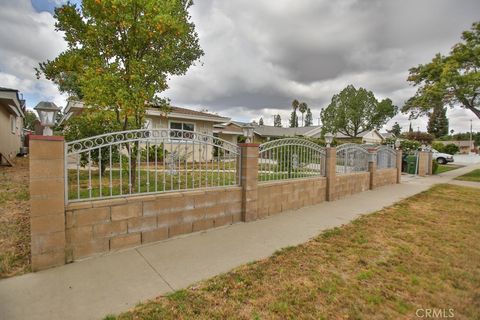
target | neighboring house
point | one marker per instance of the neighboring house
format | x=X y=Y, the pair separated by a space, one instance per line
x=232 y=130
x=12 y=115
x=465 y=146
x=368 y=137
x=177 y=118
x=229 y=131
x=388 y=135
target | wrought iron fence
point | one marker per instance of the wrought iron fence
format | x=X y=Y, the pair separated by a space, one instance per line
x=352 y=157
x=290 y=158
x=386 y=157
x=148 y=161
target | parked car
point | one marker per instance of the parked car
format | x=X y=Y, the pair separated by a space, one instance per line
x=442 y=158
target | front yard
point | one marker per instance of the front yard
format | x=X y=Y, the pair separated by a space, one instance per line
x=14 y=219
x=471 y=176
x=422 y=253
x=447 y=167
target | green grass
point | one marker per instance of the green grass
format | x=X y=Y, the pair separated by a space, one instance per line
x=144 y=181
x=471 y=176
x=422 y=252
x=447 y=167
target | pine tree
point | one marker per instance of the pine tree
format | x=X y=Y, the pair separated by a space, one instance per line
x=277 y=121
x=260 y=122
x=410 y=129
x=438 y=122
x=396 y=129
x=293 y=120
x=308 y=118
x=293 y=116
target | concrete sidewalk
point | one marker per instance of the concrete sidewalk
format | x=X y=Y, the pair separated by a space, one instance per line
x=93 y=288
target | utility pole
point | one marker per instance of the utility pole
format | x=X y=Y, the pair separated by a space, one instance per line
x=471 y=133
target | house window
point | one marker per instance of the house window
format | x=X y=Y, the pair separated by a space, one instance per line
x=186 y=128
x=13 y=124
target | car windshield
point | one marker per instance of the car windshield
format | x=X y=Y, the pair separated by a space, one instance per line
x=433 y=150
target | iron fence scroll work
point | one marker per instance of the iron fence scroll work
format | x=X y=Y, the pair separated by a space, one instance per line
x=352 y=157
x=386 y=157
x=290 y=158
x=148 y=161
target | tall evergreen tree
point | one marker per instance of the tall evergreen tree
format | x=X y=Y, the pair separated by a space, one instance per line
x=308 y=118
x=260 y=122
x=293 y=116
x=293 y=120
x=277 y=121
x=438 y=122
x=396 y=129
x=302 y=107
x=410 y=129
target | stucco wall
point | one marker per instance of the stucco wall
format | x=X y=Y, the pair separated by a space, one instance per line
x=10 y=143
x=279 y=196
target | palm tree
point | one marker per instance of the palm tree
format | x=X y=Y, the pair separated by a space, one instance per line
x=302 y=107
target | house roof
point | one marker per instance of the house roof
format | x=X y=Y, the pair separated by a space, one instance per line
x=360 y=135
x=272 y=131
x=10 y=99
x=75 y=107
x=388 y=135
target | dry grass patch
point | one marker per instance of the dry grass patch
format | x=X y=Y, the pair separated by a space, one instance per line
x=14 y=219
x=423 y=252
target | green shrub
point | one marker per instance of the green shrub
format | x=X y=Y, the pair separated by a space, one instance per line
x=440 y=147
x=434 y=166
x=451 y=148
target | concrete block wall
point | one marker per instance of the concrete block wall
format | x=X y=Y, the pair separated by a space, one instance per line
x=351 y=183
x=64 y=233
x=385 y=177
x=278 y=196
x=96 y=227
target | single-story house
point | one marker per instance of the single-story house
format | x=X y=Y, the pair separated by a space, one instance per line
x=465 y=146
x=368 y=137
x=12 y=115
x=177 y=119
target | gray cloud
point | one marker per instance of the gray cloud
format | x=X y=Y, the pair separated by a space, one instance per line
x=260 y=55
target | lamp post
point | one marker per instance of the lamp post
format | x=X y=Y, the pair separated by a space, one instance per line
x=397 y=144
x=47 y=112
x=328 y=139
x=248 y=133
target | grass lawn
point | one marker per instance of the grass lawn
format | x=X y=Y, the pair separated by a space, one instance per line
x=471 y=176
x=423 y=252
x=14 y=219
x=447 y=167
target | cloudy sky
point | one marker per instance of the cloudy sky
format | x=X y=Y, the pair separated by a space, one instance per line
x=259 y=55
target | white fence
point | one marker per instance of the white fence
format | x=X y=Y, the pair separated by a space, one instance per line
x=147 y=161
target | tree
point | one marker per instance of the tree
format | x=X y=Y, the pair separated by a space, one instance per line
x=260 y=122
x=396 y=129
x=421 y=137
x=293 y=120
x=438 y=122
x=120 y=54
x=353 y=111
x=410 y=128
x=277 y=121
x=308 y=118
x=452 y=79
x=30 y=117
x=302 y=107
